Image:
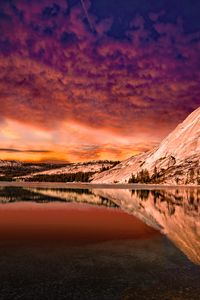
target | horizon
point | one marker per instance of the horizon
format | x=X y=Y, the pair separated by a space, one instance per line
x=65 y=162
x=100 y=82
x=58 y=162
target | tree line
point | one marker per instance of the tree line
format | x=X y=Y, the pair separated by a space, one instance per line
x=141 y=177
x=193 y=176
x=68 y=177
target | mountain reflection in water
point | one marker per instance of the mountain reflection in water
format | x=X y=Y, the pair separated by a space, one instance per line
x=64 y=243
x=75 y=217
x=175 y=212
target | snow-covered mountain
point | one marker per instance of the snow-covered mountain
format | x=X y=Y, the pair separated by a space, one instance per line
x=176 y=160
x=9 y=163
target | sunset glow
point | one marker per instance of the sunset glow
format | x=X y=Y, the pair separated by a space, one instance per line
x=70 y=94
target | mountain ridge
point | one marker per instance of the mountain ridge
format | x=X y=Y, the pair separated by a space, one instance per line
x=176 y=159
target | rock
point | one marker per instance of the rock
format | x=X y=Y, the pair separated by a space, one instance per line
x=176 y=158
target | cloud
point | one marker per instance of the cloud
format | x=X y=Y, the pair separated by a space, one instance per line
x=54 y=71
x=23 y=151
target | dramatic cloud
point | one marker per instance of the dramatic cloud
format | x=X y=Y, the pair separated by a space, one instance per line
x=24 y=151
x=57 y=75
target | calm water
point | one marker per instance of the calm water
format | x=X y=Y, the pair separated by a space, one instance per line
x=99 y=243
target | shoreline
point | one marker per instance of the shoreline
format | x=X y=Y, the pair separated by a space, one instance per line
x=93 y=185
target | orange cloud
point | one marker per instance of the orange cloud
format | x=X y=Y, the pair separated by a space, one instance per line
x=63 y=87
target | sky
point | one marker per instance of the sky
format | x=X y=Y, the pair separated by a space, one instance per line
x=88 y=80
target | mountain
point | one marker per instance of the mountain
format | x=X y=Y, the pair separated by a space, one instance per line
x=92 y=167
x=174 y=161
x=10 y=163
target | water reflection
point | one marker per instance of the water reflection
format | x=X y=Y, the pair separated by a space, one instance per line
x=42 y=195
x=175 y=212
x=66 y=215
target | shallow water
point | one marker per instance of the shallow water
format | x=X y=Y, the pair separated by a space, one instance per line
x=59 y=243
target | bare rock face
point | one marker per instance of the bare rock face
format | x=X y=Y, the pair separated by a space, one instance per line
x=176 y=159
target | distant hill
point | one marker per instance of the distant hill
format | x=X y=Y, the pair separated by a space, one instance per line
x=70 y=172
x=9 y=163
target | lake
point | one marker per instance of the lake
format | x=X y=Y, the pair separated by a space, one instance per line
x=92 y=242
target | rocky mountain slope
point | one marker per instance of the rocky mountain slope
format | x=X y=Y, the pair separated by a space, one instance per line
x=9 y=163
x=74 y=168
x=175 y=161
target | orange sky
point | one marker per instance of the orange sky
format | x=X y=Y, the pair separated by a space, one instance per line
x=69 y=93
x=69 y=142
